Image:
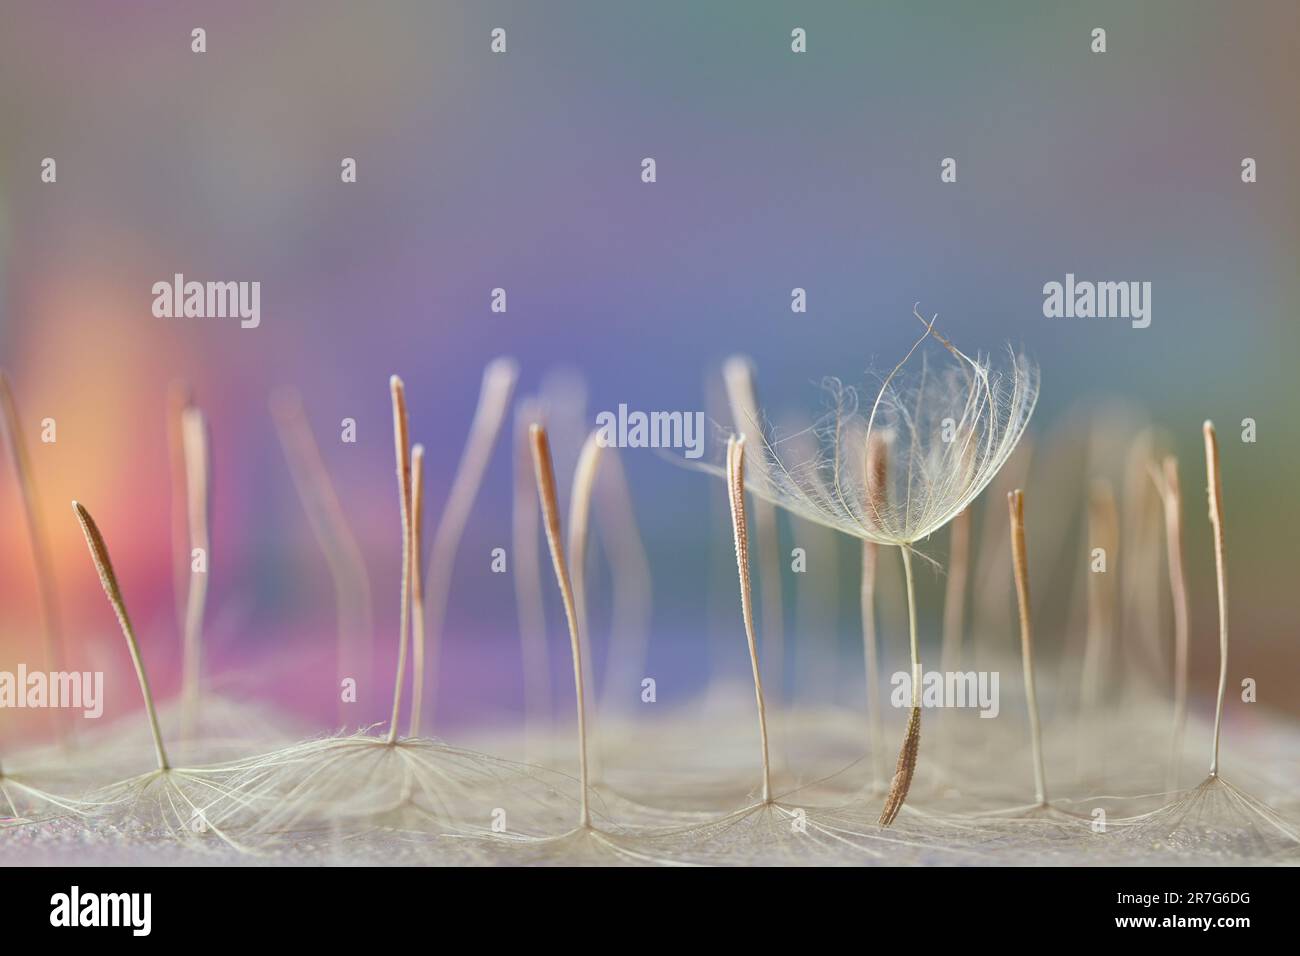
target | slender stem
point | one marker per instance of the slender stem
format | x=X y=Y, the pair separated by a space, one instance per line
x=402 y=447
x=544 y=471
x=584 y=480
x=1221 y=578
x=911 y=627
x=417 y=589
x=580 y=495
x=905 y=768
x=740 y=533
x=870 y=555
x=1020 y=562
x=742 y=397
x=104 y=565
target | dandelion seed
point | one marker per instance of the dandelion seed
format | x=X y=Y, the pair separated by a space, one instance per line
x=765 y=828
x=1215 y=817
x=953 y=428
x=104 y=567
x=402 y=445
x=740 y=531
x=1020 y=560
x=544 y=472
x=363 y=780
x=585 y=842
x=930 y=479
x=179 y=801
x=738 y=377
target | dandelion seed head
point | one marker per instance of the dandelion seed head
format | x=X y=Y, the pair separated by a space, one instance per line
x=897 y=466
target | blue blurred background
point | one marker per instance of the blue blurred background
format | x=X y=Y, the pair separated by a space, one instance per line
x=775 y=170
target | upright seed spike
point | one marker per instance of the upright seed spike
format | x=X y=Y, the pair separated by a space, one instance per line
x=580 y=495
x=544 y=471
x=740 y=533
x=1215 y=485
x=1020 y=562
x=103 y=564
x=417 y=588
x=402 y=448
x=742 y=397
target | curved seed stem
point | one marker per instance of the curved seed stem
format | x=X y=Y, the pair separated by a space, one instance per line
x=544 y=471
x=740 y=532
x=1020 y=562
x=417 y=590
x=580 y=494
x=1221 y=578
x=742 y=398
x=99 y=555
x=402 y=447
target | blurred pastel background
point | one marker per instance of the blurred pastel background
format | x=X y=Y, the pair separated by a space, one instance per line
x=775 y=170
